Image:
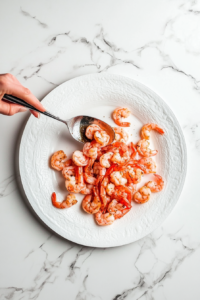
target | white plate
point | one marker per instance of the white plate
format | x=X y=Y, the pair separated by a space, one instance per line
x=98 y=95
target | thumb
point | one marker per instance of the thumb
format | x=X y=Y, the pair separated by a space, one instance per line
x=10 y=109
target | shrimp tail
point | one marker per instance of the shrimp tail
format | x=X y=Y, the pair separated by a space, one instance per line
x=54 y=200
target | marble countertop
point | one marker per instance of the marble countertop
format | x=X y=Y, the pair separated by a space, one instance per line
x=46 y=42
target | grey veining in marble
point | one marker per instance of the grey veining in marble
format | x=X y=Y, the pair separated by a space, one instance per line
x=45 y=43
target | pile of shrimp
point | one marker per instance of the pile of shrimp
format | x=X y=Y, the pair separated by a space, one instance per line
x=108 y=174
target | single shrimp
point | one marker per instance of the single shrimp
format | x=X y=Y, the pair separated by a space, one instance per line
x=117 y=209
x=143 y=149
x=156 y=186
x=105 y=199
x=90 y=179
x=112 y=169
x=68 y=163
x=110 y=148
x=87 y=190
x=101 y=137
x=99 y=153
x=68 y=202
x=117 y=178
x=92 y=204
x=132 y=187
x=143 y=195
x=110 y=188
x=123 y=194
x=120 y=135
x=145 y=131
x=99 y=170
x=68 y=171
x=57 y=160
x=116 y=147
x=120 y=113
x=104 y=159
x=91 y=150
x=75 y=184
x=118 y=159
x=90 y=130
x=122 y=156
x=80 y=159
x=105 y=181
x=132 y=150
x=147 y=164
x=134 y=175
x=103 y=218
x=88 y=173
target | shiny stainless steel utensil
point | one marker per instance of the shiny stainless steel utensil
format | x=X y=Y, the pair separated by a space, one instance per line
x=76 y=125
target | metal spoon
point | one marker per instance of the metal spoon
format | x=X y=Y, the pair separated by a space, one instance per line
x=76 y=125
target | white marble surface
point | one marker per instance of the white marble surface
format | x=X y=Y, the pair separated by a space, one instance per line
x=46 y=42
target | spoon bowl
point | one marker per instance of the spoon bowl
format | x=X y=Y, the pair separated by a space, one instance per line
x=77 y=127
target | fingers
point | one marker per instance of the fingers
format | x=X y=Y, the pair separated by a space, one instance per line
x=35 y=113
x=10 y=85
x=10 y=78
x=11 y=109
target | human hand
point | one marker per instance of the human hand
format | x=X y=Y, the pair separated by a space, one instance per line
x=11 y=86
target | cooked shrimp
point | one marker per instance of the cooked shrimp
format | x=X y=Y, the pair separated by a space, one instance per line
x=120 y=113
x=99 y=153
x=122 y=156
x=132 y=177
x=110 y=148
x=87 y=190
x=132 y=187
x=123 y=194
x=57 y=160
x=104 y=159
x=91 y=150
x=107 y=174
x=105 y=199
x=88 y=173
x=92 y=204
x=117 y=178
x=90 y=179
x=143 y=149
x=113 y=168
x=117 y=209
x=120 y=135
x=105 y=181
x=132 y=150
x=110 y=188
x=147 y=164
x=80 y=159
x=68 y=163
x=117 y=147
x=118 y=159
x=99 y=170
x=156 y=186
x=90 y=130
x=75 y=184
x=134 y=174
x=143 y=195
x=68 y=171
x=145 y=131
x=68 y=202
x=101 y=137
x=104 y=218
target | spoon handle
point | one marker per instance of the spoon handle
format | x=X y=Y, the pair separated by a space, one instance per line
x=16 y=100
